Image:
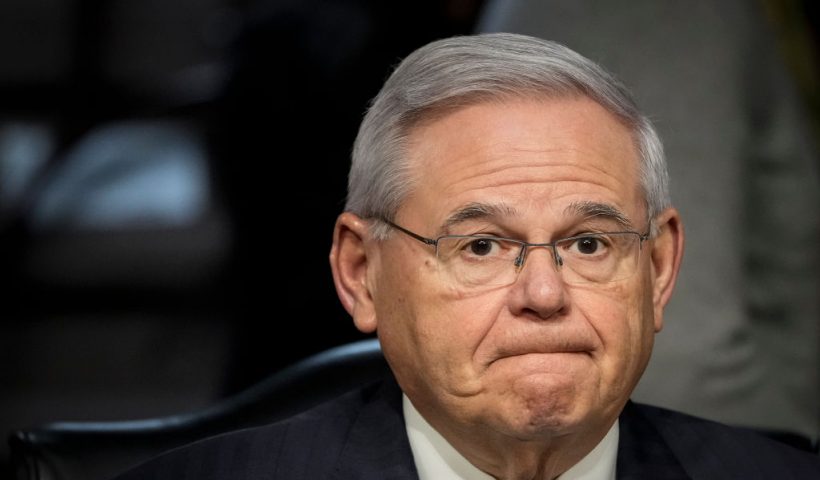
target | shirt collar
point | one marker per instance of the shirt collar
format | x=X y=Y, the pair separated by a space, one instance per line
x=436 y=459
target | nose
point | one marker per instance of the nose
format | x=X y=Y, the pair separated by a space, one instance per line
x=539 y=290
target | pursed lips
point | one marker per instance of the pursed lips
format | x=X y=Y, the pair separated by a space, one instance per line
x=542 y=348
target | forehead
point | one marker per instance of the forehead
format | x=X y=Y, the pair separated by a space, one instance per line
x=537 y=156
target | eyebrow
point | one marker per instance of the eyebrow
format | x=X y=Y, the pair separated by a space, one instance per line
x=588 y=210
x=477 y=211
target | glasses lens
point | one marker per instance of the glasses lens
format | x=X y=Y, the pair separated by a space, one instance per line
x=599 y=258
x=476 y=261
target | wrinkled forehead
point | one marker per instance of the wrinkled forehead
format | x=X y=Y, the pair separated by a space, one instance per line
x=532 y=149
x=413 y=125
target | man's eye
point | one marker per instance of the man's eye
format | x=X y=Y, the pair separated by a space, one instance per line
x=481 y=247
x=588 y=246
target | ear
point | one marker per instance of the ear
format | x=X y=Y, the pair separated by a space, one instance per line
x=666 y=255
x=350 y=259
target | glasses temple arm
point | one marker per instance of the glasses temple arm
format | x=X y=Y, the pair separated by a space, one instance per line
x=428 y=241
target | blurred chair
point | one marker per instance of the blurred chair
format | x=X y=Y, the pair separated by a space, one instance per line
x=99 y=450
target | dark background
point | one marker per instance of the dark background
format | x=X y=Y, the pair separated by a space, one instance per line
x=153 y=302
x=170 y=173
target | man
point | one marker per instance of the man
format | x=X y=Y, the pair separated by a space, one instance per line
x=509 y=237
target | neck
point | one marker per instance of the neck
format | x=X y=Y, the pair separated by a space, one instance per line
x=545 y=456
x=513 y=459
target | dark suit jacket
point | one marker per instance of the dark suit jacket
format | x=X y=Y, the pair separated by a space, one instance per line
x=362 y=435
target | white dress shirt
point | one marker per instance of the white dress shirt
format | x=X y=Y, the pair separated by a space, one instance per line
x=436 y=459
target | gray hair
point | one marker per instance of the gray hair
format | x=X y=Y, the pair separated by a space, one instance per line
x=460 y=71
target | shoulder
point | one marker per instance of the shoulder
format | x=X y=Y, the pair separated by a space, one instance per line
x=304 y=446
x=706 y=448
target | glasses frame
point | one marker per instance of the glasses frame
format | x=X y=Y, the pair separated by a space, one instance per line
x=521 y=257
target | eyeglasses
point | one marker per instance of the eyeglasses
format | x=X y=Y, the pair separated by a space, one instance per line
x=477 y=261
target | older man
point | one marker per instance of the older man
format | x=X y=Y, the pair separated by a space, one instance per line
x=509 y=237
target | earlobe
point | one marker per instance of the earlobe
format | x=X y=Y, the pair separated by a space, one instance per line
x=666 y=256
x=350 y=260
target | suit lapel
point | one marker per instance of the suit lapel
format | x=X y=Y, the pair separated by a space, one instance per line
x=642 y=452
x=377 y=447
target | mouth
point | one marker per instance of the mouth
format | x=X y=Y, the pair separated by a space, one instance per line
x=541 y=353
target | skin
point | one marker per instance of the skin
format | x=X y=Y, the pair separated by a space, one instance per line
x=523 y=380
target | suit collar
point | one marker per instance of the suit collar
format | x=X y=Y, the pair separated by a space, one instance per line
x=642 y=452
x=377 y=447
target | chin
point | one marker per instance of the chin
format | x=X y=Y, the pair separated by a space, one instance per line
x=546 y=407
x=537 y=426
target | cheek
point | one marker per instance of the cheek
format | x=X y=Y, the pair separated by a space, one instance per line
x=621 y=317
x=429 y=330
x=450 y=327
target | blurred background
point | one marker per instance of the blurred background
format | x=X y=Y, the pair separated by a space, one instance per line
x=170 y=172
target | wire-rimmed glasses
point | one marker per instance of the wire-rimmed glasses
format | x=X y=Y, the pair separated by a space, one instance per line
x=477 y=261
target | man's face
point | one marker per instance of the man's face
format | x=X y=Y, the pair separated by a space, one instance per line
x=538 y=357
